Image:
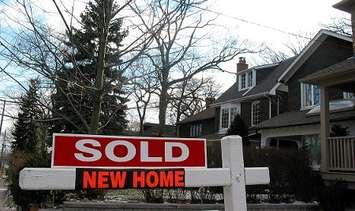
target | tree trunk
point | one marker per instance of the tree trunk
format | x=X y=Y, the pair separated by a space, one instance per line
x=95 y=117
x=163 y=105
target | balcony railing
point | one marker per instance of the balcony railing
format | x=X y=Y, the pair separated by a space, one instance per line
x=341 y=153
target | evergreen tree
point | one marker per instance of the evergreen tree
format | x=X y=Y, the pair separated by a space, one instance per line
x=29 y=148
x=75 y=90
x=238 y=127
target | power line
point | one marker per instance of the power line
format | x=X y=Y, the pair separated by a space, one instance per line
x=251 y=22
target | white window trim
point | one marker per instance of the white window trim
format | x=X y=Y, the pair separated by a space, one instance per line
x=252 y=113
x=304 y=107
x=229 y=107
x=246 y=80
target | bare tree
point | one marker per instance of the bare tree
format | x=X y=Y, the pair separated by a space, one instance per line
x=38 y=49
x=143 y=89
x=188 y=97
x=340 y=25
x=179 y=43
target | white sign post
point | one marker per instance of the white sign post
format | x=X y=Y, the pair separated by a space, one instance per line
x=233 y=176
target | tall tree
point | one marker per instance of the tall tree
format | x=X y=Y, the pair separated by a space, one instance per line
x=89 y=86
x=178 y=42
x=29 y=148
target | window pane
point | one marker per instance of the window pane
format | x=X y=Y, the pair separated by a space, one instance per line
x=255 y=113
x=225 y=118
x=250 y=79
x=243 y=82
x=307 y=94
x=316 y=95
x=234 y=112
x=313 y=145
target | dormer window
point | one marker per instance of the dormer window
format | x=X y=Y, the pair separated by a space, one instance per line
x=243 y=82
x=246 y=79
x=250 y=79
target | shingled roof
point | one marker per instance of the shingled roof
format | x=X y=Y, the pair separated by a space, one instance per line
x=208 y=113
x=298 y=118
x=263 y=85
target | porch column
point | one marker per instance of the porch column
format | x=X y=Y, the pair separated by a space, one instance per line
x=324 y=127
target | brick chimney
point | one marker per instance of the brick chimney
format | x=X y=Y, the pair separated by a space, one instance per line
x=242 y=64
x=348 y=6
x=209 y=101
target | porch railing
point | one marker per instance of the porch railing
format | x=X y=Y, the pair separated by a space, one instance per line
x=341 y=153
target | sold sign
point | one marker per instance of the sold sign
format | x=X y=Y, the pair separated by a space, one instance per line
x=92 y=151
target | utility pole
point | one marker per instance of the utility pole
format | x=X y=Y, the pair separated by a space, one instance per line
x=2 y=115
x=3 y=151
x=1 y=121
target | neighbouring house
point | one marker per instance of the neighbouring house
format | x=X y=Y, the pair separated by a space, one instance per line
x=201 y=125
x=337 y=150
x=252 y=96
x=279 y=110
x=300 y=125
x=153 y=130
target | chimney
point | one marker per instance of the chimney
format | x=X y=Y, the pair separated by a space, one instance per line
x=209 y=101
x=242 y=64
x=348 y=6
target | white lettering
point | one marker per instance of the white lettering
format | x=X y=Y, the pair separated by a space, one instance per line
x=110 y=148
x=95 y=154
x=145 y=154
x=169 y=152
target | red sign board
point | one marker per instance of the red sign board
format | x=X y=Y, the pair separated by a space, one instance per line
x=132 y=178
x=93 y=151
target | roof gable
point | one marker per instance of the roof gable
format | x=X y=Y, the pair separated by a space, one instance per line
x=308 y=51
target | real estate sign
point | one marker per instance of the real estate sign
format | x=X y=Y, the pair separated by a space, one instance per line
x=70 y=150
x=116 y=162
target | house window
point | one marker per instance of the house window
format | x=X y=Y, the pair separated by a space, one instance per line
x=246 y=80
x=312 y=143
x=243 y=82
x=195 y=130
x=310 y=95
x=233 y=112
x=255 y=113
x=227 y=115
x=250 y=79
x=225 y=118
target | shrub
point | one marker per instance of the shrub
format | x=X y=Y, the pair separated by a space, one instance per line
x=291 y=177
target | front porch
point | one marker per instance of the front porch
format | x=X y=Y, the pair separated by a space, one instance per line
x=337 y=151
x=341 y=154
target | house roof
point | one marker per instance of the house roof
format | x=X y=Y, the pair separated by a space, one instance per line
x=308 y=51
x=345 y=5
x=263 y=86
x=208 y=113
x=298 y=118
x=153 y=129
x=340 y=69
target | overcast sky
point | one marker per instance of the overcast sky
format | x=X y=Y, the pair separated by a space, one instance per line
x=258 y=21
